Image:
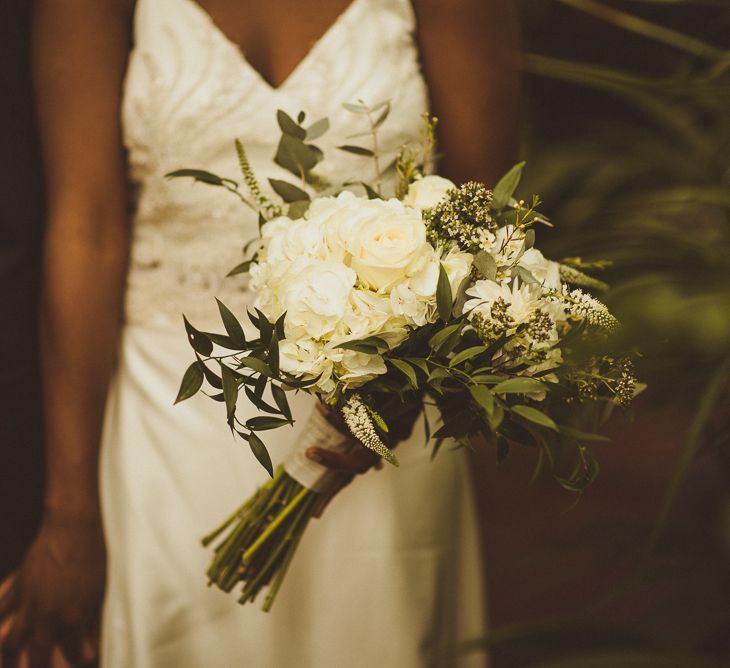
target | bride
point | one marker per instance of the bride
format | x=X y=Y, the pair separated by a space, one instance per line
x=391 y=576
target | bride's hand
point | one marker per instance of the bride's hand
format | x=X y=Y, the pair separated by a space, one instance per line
x=55 y=598
x=346 y=465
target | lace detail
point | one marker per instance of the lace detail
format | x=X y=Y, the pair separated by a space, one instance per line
x=189 y=92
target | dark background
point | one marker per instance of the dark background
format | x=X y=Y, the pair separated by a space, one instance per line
x=21 y=219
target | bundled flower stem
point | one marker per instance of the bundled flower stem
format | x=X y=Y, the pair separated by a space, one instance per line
x=262 y=538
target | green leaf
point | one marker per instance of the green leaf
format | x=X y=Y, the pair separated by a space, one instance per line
x=524 y=275
x=233 y=327
x=288 y=191
x=506 y=186
x=419 y=362
x=520 y=386
x=370 y=345
x=296 y=157
x=466 y=354
x=230 y=390
x=273 y=357
x=444 y=298
x=256 y=364
x=486 y=265
x=213 y=379
x=223 y=340
x=260 y=403
x=407 y=370
x=202 y=176
x=200 y=342
x=289 y=126
x=281 y=401
x=242 y=268
x=298 y=209
x=529 y=239
x=534 y=415
x=496 y=417
x=439 y=337
x=484 y=397
x=357 y=150
x=192 y=381
x=383 y=115
x=583 y=436
x=260 y=452
x=300 y=117
x=262 y=423
x=316 y=130
x=355 y=108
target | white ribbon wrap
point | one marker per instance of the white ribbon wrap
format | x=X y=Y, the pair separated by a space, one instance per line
x=318 y=432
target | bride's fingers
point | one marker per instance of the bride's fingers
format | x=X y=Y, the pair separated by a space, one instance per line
x=356 y=461
x=8 y=595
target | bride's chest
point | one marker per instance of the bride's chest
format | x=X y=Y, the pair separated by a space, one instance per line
x=189 y=90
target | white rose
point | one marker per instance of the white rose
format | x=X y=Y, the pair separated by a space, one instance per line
x=338 y=216
x=546 y=272
x=315 y=297
x=427 y=192
x=384 y=247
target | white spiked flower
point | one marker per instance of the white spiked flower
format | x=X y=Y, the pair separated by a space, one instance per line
x=359 y=421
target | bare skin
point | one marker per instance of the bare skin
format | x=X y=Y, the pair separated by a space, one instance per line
x=80 y=51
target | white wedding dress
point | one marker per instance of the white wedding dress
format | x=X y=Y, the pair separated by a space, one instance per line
x=390 y=577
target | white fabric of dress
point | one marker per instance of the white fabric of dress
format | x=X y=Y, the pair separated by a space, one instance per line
x=390 y=577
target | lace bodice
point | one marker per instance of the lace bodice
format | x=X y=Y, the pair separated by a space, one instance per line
x=189 y=91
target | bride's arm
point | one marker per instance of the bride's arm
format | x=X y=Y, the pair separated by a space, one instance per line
x=79 y=52
x=470 y=56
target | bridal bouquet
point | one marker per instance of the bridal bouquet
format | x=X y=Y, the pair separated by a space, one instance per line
x=379 y=306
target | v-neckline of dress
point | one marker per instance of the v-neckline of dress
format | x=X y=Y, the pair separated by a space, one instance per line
x=315 y=47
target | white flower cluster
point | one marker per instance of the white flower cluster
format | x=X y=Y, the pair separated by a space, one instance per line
x=359 y=421
x=349 y=269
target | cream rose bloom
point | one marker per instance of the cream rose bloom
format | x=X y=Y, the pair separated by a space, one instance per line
x=427 y=192
x=384 y=248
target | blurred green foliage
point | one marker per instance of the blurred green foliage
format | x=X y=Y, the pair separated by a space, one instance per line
x=627 y=142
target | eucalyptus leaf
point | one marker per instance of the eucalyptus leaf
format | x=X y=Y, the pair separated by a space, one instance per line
x=506 y=186
x=289 y=126
x=192 y=381
x=316 y=130
x=355 y=108
x=288 y=191
x=357 y=150
x=298 y=209
x=202 y=176
x=273 y=357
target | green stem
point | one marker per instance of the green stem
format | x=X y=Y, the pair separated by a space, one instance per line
x=249 y=554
